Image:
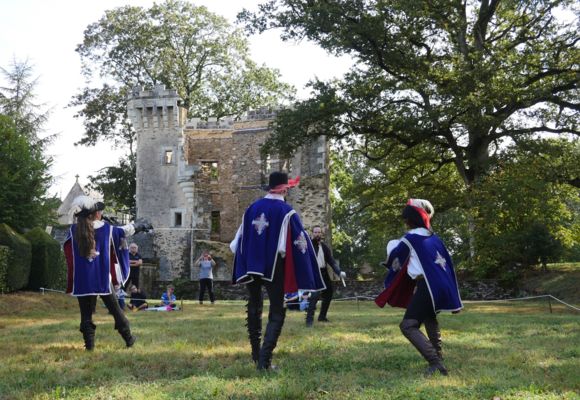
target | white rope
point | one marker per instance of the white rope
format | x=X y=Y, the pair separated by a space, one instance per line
x=180 y=229
x=372 y=298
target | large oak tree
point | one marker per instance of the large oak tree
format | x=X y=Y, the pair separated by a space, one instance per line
x=462 y=77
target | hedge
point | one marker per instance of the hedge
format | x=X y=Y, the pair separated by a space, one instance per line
x=47 y=268
x=4 y=255
x=18 y=269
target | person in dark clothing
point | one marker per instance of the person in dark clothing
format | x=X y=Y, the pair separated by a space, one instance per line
x=138 y=299
x=272 y=249
x=324 y=259
x=135 y=262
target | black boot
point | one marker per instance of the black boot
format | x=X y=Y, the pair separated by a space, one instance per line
x=254 y=324
x=434 y=334
x=410 y=328
x=128 y=337
x=273 y=330
x=88 y=330
x=311 y=308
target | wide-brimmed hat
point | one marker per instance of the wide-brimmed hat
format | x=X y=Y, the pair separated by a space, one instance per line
x=279 y=181
x=419 y=211
x=83 y=206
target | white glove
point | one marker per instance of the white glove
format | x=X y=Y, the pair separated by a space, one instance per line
x=342 y=274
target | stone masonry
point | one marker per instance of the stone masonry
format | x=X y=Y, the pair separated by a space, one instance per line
x=195 y=180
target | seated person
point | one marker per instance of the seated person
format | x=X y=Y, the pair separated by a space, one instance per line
x=291 y=301
x=138 y=299
x=120 y=293
x=168 y=298
x=304 y=300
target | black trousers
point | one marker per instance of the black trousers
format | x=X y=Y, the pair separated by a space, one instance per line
x=325 y=294
x=133 y=277
x=87 y=306
x=421 y=306
x=206 y=283
x=275 y=290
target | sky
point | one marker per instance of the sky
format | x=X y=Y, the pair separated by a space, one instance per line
x=46 y=34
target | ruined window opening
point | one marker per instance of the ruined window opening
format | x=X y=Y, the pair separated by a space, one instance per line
x=177 y=219
x=215 y=222
x=168 y=157
x=210 y=168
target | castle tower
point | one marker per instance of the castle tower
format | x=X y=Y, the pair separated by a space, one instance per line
x=163 y=191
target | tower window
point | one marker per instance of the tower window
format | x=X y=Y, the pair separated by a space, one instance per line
x=177 y=219
x=215 y=222
x=168 y=157
x=210 y=169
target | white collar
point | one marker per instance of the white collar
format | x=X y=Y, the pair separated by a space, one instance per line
x=421 y=231
x=98 y=223
x=274 y=196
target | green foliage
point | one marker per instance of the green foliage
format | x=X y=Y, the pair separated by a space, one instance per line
x=4 y=260
x=526 y=215
x=118 y=185
x=17 y=100
x=368 y=196
x=47 y=265
x=20 y=254
x=360 y=355
x=461 y=78
x=179 y=45
x=24 y=168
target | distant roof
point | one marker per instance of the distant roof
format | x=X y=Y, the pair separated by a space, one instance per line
x=63 y=217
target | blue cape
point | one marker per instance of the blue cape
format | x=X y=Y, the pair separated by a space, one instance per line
x=94 y=276
x=257 y=247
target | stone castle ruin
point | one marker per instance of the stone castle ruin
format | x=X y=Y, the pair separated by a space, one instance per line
x=196 y=178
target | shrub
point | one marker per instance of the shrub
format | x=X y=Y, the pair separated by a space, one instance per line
x=4 y=255
x=18 y=269
x=47 y=269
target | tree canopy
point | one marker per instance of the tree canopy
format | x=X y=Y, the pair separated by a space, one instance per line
x=24 y=166
x=461 y=77
x=174 y=43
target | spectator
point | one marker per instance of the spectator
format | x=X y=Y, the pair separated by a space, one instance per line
x=168 y=298
x=135 y=262
x=120 y=294
x=205 y=263
x=138 y=299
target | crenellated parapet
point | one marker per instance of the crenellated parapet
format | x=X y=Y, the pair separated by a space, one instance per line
x=157 y=108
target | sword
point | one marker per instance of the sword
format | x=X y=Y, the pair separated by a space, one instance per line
x=342 y=279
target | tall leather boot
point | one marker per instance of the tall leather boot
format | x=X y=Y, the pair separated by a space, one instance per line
x=314 y=296
x=410 y=328
x=127 y=337
x=273 y=330
x=88 y=329
x=434 y=334
x=324 y=305
x=254 y=324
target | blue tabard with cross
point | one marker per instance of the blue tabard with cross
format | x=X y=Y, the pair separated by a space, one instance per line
x=437 y=269
x=93 y=276
x=257 y=248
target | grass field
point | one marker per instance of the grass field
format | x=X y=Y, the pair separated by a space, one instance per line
x=508 y=351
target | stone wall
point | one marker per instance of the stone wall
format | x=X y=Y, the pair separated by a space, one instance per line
x=195 y=180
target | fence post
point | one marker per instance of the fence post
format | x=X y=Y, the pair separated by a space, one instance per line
x=550 y=303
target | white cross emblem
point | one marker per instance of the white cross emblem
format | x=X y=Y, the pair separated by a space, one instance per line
x=441 y=261
x=301 y=243
x=260 y=223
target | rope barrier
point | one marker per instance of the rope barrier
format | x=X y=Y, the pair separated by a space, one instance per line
x=357 y=298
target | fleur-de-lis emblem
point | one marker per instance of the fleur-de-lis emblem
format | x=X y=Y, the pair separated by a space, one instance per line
x=440 y=260
x=260 y=223
x=301 y=243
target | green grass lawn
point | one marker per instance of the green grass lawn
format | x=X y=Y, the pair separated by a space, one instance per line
x=512 y=351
